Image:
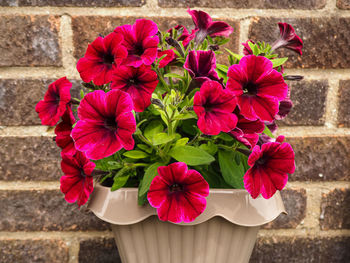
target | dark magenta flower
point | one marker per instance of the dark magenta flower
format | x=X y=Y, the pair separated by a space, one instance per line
x=269 y=168
x=257 y=87
x=55 y=102
x=102 y=57
x=106 y=124
x=138 y=82
x=77 y=182
x=288 y=39
x=183 y=34
x=247 y=131
x=178 y=193
x=206 y=26
x=141 y=41
x=247 y=50
x=63 y=131
x=284 y=108
x=169 y=57
x=201 y=65
x=214 y=107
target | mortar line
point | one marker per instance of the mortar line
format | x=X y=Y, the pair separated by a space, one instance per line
x=331 y=113
x=322 y=186
x=244 y=33
x=61 y=235
x=312 y=233
x=26 y=131
x=74 y=247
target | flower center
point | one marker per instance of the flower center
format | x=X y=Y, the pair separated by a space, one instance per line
x=176 y=188
x=133 y=82
x=82 y=173
x=111 y=124
x=250 y=89
x=262 y=160
x=138 y=49
x=108 y=58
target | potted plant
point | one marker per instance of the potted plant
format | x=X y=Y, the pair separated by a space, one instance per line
x=177 y=150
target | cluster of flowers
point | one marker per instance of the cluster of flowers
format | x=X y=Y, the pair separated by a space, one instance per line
x=211 y=117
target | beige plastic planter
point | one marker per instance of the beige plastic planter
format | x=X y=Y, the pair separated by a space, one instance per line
x=225 y=232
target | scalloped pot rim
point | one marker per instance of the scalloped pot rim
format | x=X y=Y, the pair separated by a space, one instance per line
x=235 y=205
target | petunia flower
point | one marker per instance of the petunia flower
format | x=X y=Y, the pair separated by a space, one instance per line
x=138 y=82
x=183 y=34
x=106 y=124
x=206 y=26
x=63 y=131
x=102 y=57
x=141 y=41
x=288 y=39
x=247 y=50
x=214 y=107
x=55 y=102
x=178 y=193
x=269 y=168
x=247 y=131
x=77 y=182
x=169 y=57
x=201 y=65
x=257 y=87
x=284 y=108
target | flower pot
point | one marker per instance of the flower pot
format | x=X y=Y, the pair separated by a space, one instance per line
x=225 y=232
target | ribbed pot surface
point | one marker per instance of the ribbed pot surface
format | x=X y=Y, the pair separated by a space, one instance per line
x=213 y=241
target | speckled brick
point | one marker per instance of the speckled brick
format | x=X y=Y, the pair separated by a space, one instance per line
x=335 y=210
x=39 y=251
x=343 y=4
x=324 y=40
x=344 y=102
x=324 y=158
x=73 y=3
x=295 y=203
x=309 y=99
x=301 y=250
x=246 y=4
x=44 y=210
x=98 y=250
x=30 y=40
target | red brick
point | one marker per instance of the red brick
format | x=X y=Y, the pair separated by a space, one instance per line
x=344 y=102
x=30 y=40
x=99 y=250
x=343 y=4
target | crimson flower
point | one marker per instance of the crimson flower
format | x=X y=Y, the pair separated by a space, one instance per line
x=77 y=182
x=206 y=26
x=247 y=131
x=106 y=124
x=63 y=131
x=102 y=57
x=183 y=34
x=138 y=82
x=247 y=50
x=55 y=102
x=288 y=39
x=257 y=87
x=284 y=108
x=269 y=168
x=178 y=193
x=201 y=65
x=214 y=106
x=170 y=56
x=141 y=42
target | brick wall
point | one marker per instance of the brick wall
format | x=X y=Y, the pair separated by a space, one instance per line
x=42 y=39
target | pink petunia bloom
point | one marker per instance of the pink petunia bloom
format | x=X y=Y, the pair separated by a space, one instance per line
x=183 y=34
x=141 y=41
x=214 y=107
x=206 y=26
x=63 y=131
x=201 y=65
x=247 y=131
x=257 y=87
x=178 y=193
x=138 y=82
x=170 y=56
x=77 y=182
x=288 y=39
x=269 y=168
x=102 y=57
x=55 y=102
x=247 y=50
x=106 y=124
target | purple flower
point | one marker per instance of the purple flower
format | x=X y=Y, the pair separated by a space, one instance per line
x=288 y=39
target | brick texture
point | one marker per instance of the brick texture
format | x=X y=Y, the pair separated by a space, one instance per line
x=77 y=3
x=39 y=251
x=344 y=102
x=309 y=99
x=301 y=250
x=335 y=210
x=321 y=158
x=331 y=30
x=246 y=4
x=98 y=250
x=29 y=40
x=43 y=211
x=295 y=203
x=343 y=4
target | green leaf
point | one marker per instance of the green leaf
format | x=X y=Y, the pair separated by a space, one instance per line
x=191 y=155
x=210 y=148
x=173 y=75
x=144 y=148
x=278 y=62
x=162 y=138
x=234 y=54
x=135 y=154
x=225 y=137
x=221 y=67
x=268 y=132
x=231 y=171
x=185 y=116
x=153 y=128
x=181 y=142
x=150 y=173
x=119 y=182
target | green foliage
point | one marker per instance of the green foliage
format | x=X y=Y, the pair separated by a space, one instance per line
x=232 y=169
x=191 y=155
